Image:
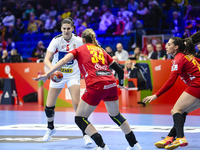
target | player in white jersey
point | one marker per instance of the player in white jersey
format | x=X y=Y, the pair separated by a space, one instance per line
x=57 y=49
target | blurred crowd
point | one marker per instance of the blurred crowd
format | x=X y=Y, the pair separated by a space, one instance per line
x=107 y=17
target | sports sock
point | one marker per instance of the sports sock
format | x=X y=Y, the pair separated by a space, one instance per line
x=98 y=140
x=172 y=132
x=178 y=124
x=131 y=138
x=50 y=125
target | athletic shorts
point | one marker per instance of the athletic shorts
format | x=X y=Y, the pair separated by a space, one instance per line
x=68 y=81
x=103 y=90
x=194 y=91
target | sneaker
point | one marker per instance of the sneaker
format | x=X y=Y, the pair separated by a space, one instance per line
x=87 y=140
x=161 y=144
x=100 y=148
x=178 y=142
x=48 y=135
x=135 y=147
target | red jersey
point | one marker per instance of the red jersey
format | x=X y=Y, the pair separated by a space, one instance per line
x=93 y=63
x=187 y=67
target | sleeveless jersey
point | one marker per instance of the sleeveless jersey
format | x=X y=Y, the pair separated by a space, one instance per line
x=60 y=47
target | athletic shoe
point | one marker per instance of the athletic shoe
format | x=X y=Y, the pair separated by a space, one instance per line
x=48 y=134
x=161 y=144
x=178 y=142
x=100 y=148
x=135 y=147
x=87 y=140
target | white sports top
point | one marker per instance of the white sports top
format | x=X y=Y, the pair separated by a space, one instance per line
x=60 y=47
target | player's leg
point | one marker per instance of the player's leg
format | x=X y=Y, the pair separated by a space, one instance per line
x=83 y=112
x=50 y=113
x=74 y=90
x=184 y=102
x=113 y=110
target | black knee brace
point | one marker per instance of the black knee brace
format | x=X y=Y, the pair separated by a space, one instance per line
x=49 y=111
x=81 y=122
x=119 y=119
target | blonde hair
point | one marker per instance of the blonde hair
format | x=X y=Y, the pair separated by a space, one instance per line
x=132 y=66
x=90 y=37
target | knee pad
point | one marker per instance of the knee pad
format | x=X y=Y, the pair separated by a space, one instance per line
x=119 y=119
x=49 y=111
x=81 y=122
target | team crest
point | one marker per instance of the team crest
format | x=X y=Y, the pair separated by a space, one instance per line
x=74 y=45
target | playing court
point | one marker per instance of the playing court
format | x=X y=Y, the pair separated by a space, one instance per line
x=22 y=128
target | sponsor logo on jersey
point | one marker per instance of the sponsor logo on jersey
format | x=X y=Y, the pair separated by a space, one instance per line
x=103 y=73
x=174 y=67
x=74 y=46
x=63 y=70
x=99 y=67
x=109 y=86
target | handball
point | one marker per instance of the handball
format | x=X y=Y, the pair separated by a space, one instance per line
x=56 y=76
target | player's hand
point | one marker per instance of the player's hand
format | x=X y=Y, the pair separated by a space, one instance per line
x=122 y=87
x=149 y=98
x=41 y=78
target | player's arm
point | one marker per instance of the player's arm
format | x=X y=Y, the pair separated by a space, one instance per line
x=47 y=59
x=168 y=84
x=120 y=72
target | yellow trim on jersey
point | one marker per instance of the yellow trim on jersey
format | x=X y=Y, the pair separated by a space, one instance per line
x=63 y=70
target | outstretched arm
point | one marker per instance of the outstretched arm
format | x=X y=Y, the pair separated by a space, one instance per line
x=168 y=84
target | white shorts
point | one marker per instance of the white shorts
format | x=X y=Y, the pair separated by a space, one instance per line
x=68 y=81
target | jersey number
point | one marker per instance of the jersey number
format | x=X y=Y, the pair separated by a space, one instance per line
x=96 y=57
x=196 y=63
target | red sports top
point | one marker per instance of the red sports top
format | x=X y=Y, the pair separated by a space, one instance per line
x=188 y=67
x=93 y=63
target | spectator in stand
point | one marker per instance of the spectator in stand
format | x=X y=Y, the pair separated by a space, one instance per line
x=95 y=18
x=191 y=13
x=144 y=49
x=193 y=27
x=128 y=25
x=2 y=30
x=5 y=57
x=10 y=45
x=33 y=25
x=120 y=27
x=115 y=59
x=18 y=57
x=75 y=19
x=105 y=21
x=53 y=11
x=45 y=16
x=121 y=54
x=112 y=28
x=142 y=11
x=11 y=32
x=130 y=68
x=9 y=19
x=125 y=12
x=80 y=25
x=4 y=13
x=19 y=26
x=137 y=54
x=50 y=24
x=89 y=11
x=66 y=13
x=17 y=11
x=39 y=51
x=28 y=11
x=74 y=12
x=198 y=51
x=39 y=10
x=3 y=43
x=132 y=6
x=151 y=53
x=186 y=34
x=182 y=6
x=86 y=21
x=58 y=24
x=82 y=12
x=104 y=10
x=159 y=40
x=177 y=25
x=109 y=51
x=161 y=54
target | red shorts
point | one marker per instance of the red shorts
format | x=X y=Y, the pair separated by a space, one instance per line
x=194 y=91
x=103 y=90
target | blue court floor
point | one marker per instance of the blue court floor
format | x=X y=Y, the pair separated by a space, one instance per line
x=23 y=130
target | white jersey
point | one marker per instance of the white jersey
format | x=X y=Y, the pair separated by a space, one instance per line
x=60 y=47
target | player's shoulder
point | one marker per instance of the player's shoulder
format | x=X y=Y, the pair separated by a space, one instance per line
x=58 y=36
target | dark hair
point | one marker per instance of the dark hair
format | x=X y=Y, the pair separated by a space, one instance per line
x=70 y=21
x=187 y=46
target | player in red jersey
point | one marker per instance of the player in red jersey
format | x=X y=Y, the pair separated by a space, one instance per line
x=187 y=67
x=94 y=64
